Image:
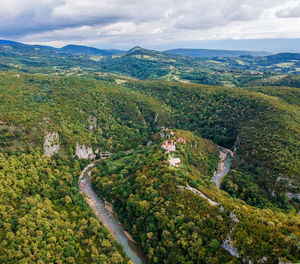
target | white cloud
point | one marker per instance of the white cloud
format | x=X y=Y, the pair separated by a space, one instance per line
x=289 y=12
x=145 y=22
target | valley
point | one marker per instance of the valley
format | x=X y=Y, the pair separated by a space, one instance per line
x=105 y=213
x=196 y=158
x=108 y=218
x=213 y=67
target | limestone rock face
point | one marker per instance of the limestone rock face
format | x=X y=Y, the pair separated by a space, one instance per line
x=234 y=217
x=84 y=152
x=51 y=144
x=227 y=245
x=293 y=196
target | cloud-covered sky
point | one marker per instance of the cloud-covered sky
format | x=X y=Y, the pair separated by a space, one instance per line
x=149 y=23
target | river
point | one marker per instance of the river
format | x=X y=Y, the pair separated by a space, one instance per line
x=108 y=218
x=226 y=157
x=105 y=214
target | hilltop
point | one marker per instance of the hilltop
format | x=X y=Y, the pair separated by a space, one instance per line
x=150 y=64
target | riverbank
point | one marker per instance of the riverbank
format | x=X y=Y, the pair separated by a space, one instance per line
x=107 y=216
x=226 y=156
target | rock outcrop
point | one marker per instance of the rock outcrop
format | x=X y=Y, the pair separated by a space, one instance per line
x=51 y=144
x=227 y=245
x=293 y=196
x=84 y=152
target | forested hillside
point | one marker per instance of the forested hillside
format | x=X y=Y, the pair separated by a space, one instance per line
x=43 y=217
x=214 y=69
x=99 y=114
x=175 y=225
x=50 y=124
x=264 y=130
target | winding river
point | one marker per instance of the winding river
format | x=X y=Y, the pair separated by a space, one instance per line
x=106 y=215
x=104 y=212
x=226 y=157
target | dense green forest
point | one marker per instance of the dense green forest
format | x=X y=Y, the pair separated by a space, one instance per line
x=175 y=226
x=44 y=218
x=265 y=118
x=32 y=105
x=263 y=128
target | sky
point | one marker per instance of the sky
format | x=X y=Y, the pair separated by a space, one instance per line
x=157 y=24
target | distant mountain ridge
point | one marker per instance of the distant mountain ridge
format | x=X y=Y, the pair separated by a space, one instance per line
x=285 y=56
x=206 y=53
x=27 y=46
x=91 y=51
x=4 y=42
x=196 y=53
x=143 y=64
x=70 y=49
x=78 y=49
